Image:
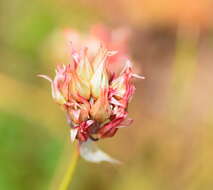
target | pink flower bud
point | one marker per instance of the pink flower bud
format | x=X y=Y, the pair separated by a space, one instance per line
x=95 y=103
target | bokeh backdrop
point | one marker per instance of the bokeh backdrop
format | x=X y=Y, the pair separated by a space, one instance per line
x=169 y=145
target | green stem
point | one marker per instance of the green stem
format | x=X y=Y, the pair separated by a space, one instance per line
x=69 y=174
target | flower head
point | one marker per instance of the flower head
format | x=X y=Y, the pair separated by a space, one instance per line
x=95 y=100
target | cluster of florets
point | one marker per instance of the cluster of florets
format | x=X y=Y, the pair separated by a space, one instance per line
x=94 y=98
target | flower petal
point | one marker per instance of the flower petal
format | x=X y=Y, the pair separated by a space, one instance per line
x=84 y=69
x=125 y=123
x=45 y=77
x=99 y=80
x=90 y=152
x=56 y=94
x=138 y=76
x=73 y=134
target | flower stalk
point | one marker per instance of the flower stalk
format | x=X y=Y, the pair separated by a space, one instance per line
x=68 y=177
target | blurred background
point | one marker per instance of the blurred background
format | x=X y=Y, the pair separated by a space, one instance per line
x=169 y=145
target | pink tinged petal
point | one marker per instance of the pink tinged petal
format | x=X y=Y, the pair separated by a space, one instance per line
x=89 y=122
x=60 y=69
x=84 y=130
x=120 y=112
x=78 y=87
x=73 y=134
x=110 y=126
x=84 y=112
x=111 y=53
x=129 y=93
x=119 y=87
x=84 y=101
x=100 y=57
x=80 y=115
x=45 y=77
x=82 y=137
x=56 y=94
x=91 y=153
x=84 y=69
x=110 y=129
x=110 y=133
x=125 y=123
x=114 y=101
x=127 y=68
x=99 y=80
x=121 y=83
x=138 y=76
x=75 y=56
x=76 y=114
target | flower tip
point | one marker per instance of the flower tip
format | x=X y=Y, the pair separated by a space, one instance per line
x=111 y=53
x=44 y=77
x=128 y=63
x=138 y=76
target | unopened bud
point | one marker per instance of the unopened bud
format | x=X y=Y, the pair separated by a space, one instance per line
x=84 y=69
x=79 y=87
x=101 y=111
x=99 y=80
